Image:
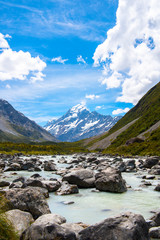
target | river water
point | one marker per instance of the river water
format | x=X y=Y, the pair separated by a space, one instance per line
x=91 y=207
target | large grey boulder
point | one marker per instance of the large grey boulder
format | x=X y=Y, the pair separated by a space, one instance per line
x=52 y=185
x=20 y=220
x=49 y=219
x=110 y=180
x=67 y=189
x=30 y=199
x=127 y=226
x=130 y=165
x=155 y=219
x=49 y=166
x=83 y=178
x=74 y=227
x=47 y=229
x=151 y=161
x=155 y=170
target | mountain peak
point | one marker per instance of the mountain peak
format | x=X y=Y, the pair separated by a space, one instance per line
x=79 y=123
x=78 y=108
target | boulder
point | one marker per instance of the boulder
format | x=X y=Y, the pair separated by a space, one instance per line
x=19 y=219
x=47 y=231
x=16 y=185
x=51 y=185
x=15 y=166
x=30 y=199
x=67 y=189
x=49 y=166
x=27 y=165
x=126 y=226
x=4 y=183
x=110 y=180
x=74 y=227
x=154 y=232
x=155 y=170
x=83 y=178
x=155 y=219
x=130 y=165
x=157 y=188
x=49 y=219
x=150 y=162
x=34 y=183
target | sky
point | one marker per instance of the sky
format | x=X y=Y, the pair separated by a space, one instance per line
x=55 y=54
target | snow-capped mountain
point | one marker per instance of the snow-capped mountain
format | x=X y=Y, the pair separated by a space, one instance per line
x=79 y=123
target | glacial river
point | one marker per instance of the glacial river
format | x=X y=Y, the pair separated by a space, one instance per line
x=91 y=207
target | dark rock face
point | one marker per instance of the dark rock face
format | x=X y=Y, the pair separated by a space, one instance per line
x=29 y=199
x=127 y=226
x=48 y=231
x=150 y=162
x=20 y=126
x=82 y=178
x=110 y=180
x=67 y=189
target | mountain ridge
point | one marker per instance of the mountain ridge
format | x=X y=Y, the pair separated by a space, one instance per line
x=145 y=127
x=79 y=123
x=15 y=126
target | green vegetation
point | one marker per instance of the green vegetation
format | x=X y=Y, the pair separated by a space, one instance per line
x=46 y=148
x=147 y=113
x=151 y=146
x=6 y=229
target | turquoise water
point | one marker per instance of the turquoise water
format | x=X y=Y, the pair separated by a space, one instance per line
x=91 y=207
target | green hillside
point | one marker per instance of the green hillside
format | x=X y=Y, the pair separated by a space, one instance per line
x=147 y=113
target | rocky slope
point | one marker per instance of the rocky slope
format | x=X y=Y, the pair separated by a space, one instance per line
x=138 y=132
x=14 y=126
x=79 y=123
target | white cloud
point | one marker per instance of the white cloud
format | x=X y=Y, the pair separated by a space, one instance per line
x=8 y=86
x=130 y=54
x=19 y=65
x=3 y=43
x=59 y=60
x=80 y=59
x=92 y=96
x=119 y=110
x=98 y=107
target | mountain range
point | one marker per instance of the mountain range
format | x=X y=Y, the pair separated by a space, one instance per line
x=14 y=126
x=79 y=123
x=138 y=132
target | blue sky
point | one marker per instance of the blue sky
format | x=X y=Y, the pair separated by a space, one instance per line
x=67 y=35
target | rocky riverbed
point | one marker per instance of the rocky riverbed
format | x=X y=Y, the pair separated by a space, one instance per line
x=63 y=197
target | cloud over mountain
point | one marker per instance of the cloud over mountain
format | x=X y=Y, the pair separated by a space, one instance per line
x=130 y=54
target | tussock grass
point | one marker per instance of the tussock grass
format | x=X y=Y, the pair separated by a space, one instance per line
x=7 y=231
